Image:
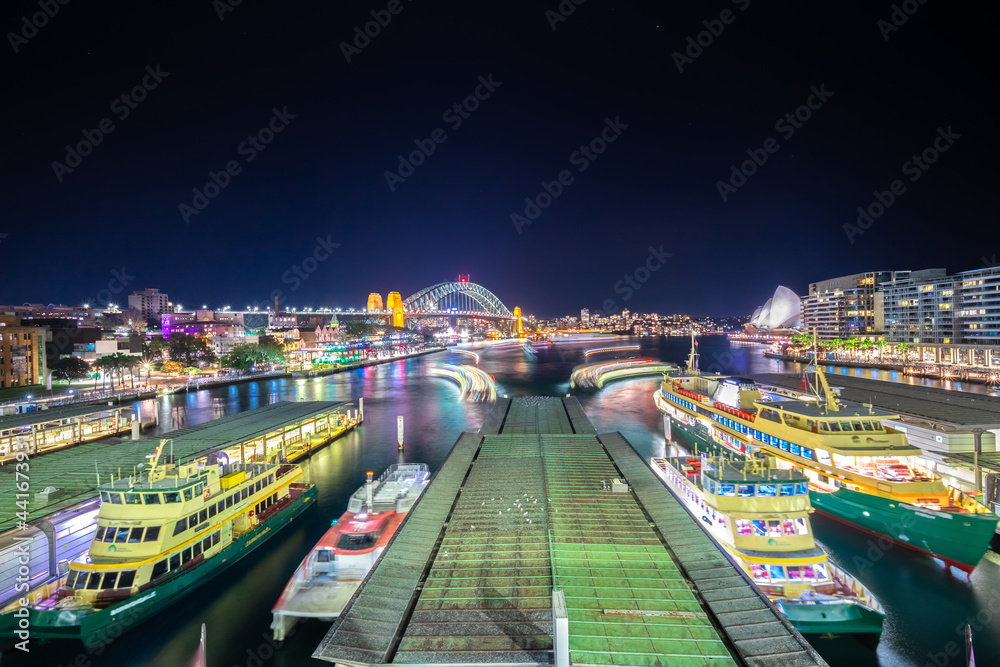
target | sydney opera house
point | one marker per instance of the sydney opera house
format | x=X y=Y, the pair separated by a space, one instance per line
x=781 y=311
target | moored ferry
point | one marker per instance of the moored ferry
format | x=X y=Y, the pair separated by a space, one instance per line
x=334 y=568
x=161 y=537
x=760 y=516
x=860 y=471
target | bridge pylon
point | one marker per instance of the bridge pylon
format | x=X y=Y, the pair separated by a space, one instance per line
x=520 y=326
x=394 y=302
x=375 y=302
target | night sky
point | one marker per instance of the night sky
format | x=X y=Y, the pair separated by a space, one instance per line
x=208 y=86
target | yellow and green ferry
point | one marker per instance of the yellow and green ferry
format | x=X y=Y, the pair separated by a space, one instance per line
x=159 y=538
x=759 y=515
x=860 y=471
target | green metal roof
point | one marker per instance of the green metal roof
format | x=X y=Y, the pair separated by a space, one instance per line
x=57 y=414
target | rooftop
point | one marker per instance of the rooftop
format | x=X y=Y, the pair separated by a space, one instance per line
x=519 y=511
x=26 y=419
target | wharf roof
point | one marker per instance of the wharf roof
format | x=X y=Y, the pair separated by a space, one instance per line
x=26 y=419
x=956 y=409
x=75 y=470
x=519 y=511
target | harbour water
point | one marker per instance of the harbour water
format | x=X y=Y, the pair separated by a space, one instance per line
x=926 y=604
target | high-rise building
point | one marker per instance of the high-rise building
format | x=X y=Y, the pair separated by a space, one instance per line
x=844 y=307
x=22 y=353
x=150 y=301
x=584 y=316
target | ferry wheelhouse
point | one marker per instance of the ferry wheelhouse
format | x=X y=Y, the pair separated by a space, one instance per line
x=860 y=471
x=760 y=516
x=332 y=571
x=159 y=538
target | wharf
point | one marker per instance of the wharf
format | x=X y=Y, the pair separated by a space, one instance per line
x=523 y=551
x=44 y=431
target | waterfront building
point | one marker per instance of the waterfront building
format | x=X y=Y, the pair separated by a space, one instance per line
x=22 y=353
x=845 y=307
x=150 y=301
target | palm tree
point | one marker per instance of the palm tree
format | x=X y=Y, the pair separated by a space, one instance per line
x=904 y=348
x=837 y=344
x=881 y=344
x=866 y=345
x=851 y=344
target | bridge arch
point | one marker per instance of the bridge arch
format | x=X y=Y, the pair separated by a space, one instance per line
x=431 y=298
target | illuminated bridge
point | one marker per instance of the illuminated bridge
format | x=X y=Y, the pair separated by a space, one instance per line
x=459 y=298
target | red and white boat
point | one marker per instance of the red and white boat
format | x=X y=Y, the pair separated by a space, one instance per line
x=331 y=573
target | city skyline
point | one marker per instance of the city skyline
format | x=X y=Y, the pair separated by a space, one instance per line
x=217 y=163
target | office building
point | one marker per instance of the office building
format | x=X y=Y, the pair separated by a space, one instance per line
x=150 y=301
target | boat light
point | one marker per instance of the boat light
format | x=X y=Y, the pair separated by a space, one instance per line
x=866 y=513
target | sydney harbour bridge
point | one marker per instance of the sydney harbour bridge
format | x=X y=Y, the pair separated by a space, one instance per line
x=455 y=299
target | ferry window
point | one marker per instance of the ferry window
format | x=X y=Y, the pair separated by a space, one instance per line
x=206 y=543
x=857 y=426
x=159 y=570
x=759 y=528
x=212 y=510
x=867 y=425
x=801 y=488
x=727 y=489
x=126 y=579
x=877 y=425
x=198 y=490
x=152 y=534
x=777 y=573
x=152 y=499
x=197 y=549
x=357 y=541
x=845 y=426
x=202 y=516
x=171 y=497
x=767 y=490
x=785 y=445
x=759 y=573
x=794 y=575
x=774 y=528
x=116 y=498
x=834 y=426
x=229 y=501
x=175 y=561
x=821 y=574
x=745 y=490
x=823 y=426
x=136 y=535
x=823 y=456
x=807 y=573
x=257 y=487
x=216 y=537
x=270 y=478
x=187 y=494
x=801 y=527
x=807 y=453
x=787 y=489
x=122 y=536
x=104 y=497
x=221 y=505
x=186 y=555
x=71 y=578
x=81 y=580
x=109 y=580
x=243 y=493
x=99 y=535
x=94 y=581
x=788 y=527
x=711 y=486
x=180 y=527
x=795 y=449
x=193 y=520
x=109 y=536
x=133 y=499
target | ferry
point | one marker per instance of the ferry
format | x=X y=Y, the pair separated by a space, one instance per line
x=760 y=516
x=860 y=471
x=331 y=573
x=159 y=538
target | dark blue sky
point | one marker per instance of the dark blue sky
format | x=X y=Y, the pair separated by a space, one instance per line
x=323 y=175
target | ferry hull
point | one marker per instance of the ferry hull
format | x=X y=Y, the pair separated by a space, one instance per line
x=98 y=627
x=957 y=539
x=848 y=619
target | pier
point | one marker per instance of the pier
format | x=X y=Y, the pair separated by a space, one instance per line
x=63 y=496
x=44 y=431
x=540 y=541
